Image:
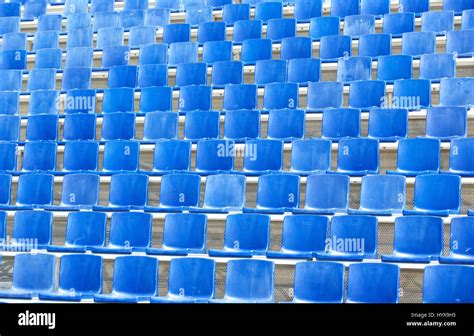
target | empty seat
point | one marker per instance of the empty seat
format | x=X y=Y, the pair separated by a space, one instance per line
x=249 y=281
x=115 y=56
x=195 y=97
x=75 y=6
x=335 y=46
x=105 y=20
x=12 y=80
x=191 y=74
x=42 y=79
x=437 y=195
x=48 y=58
x=322 y=95
x=357 y=25
x=182 y=234
x=148 y=103
x=14 y=41
x=383 y=287
x=109 y=37
x=179 y=192
x=262 y=156
x=266 y=11
x=286 y=124
x=278 y=29
x=157 y=17
x=326 y=194
x=118 y=100
x=135 y=279
x=411 y=163
x=270 y=71
x=152 y=75
x=79 y=191
x=367 y=94
x=46 y=40
x=324 y=26
x=461 y=239
x=183 y=52
x=43 y=102
x=171 y=155
x=393 y=67
x=457 y=92
x=127 y=191
x=460 y=157
x=388 y=124
x=35 y=190
x=10 y=100
x=280 y=96
x=235 y=12
x=123 y=76
x=32 y=274
x=79 y=126
x=437 y=66
x=129 y=232
x=50 y=22
x=201 y=125
x=190 y=280
x=80 y=57
x=351 y=238
x=9 y=25
x=227 y=72
x=417 y=239
x=340 y=123
x=460 y=42
x=214 y=156
x=344 y=8
x=240 y=96
x=296 y=47
x=375 y=45
x=438 y=22
x=375 y=7
x=10 y=127
x=178 y=32
x=419 y=43
x=446 y=123
x=246 y=29
x=198 y=14
x=307 y=9
x=241 y=125
x=354 y=68
x=131 y=18
x=358 y=156
x=160 y=125
x=5 y=184
x=136 y=4
x=412 y=94
x=414 y=6
x=212 y=31
x=78 y=21
x=217 y=51
x=8 y=152
x=448 y=284
x=42 y=127
x=80 y=156
x=39 y=156
x=301 y=237
x=304 y=70
x=10 y=9
x=80 y=38
x=310 y=156
x=121 y=156
x=256 y=49
x=457 y=5
x=398 y=23
x=245 y=235
x=98 y=6
x=76 y=78
x=467 y=19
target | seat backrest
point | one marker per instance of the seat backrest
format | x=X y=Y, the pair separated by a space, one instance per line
x=304 y=233
x=80 y=190
x=354 y=235
x=248 y=232
x=327 y=192
x=136 y=276
x=225 y=191
x=86 y=228
x=32 y=229
x=192 y=278
x=448 y=284
x=438 y=192
x=278 y=191
x=34 y=272
x=180 y=189
x=185 y=231
x=130 y=230
x=35 y=189
x=128 y=189
x=80 y=274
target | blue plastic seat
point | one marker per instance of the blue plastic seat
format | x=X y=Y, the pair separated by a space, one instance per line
x=136 y=4
x=286 y=124
x=296 y=47
x=393 y=67
x=190 y=280
x=388 y=124
x=414 y=6
x=76 y=78
x=335 y=46
x=12 y=80
x=10 y=9
x=255 y=50
x=43 y=101
x=460 y=157
x=81 y=156
x=351 y=238
x=6 y=185
x=168 y=4
x=419 y=43
x=212 y=31
x=132 y=18
x=249 y=281
x=50 y=22
x=357 y=25
x=340 y=123
x=152 y=75
x=80 y=57
x=84 y=230
x=127 y=192
x=460 y=42
x=46 y=40
x=75 y=6
x=381 y=195
x=270 y=71
x=457 y=92
x=398 y=23
x=277 y=193
x=448 y=284
x=183 y=52
x=345 y=8
x=246 y=29
x=227 y=72
x=278 y=29
x=322 y=95
x=123 y=76
x=34 y=9
x=149 y=103
x=307 y=9
x=109 y=37
x=383 y=287
x=241 y=125
x=14 y=41
x=457 y=5
x=446 y=123
x=42 y=79
x=461 y=239
x=439 y=22
x=42 y=127
x=304 y=70
x=11 y=102
x=412 y=94
x=8 y=157
x=3 y=226
x=367 y=94
x=358 y=156
x=98 y=6
x=48 y=58
x=129 y=232
x=80 y=38
x=9 y=25
x=121 y=156
x=198 y=14
x=79 y=126
x=417 y=239
x=32 y=274
x=326 y=194
x=217 y=51
x=160 y=125
x=240 y=96
x=214 y=156
x=375 y=45
x=324 y=26
x=301 y=237
x=201 y=125
x=437 y=195
x=310 y=156
x=35 y=190
x=266 y=11
x=280 y=96
x=10 y=127
x=177 y=32
x=354 y=68
x=191 y=74
x=262 y=156
x=13 y=60
x=375 y=7
x=219 y=3
x=223 y=193
x=135 y=279
x=39 y=156
x=78 y=21
x=105 y=20
x=235 y=12
x=171 y=155
x=195 y=97
x=115 y=56
x=157 y=17
x=79 y=191
x=437 y=66
x=411 y=163
x=467 y=19
x=119 y=99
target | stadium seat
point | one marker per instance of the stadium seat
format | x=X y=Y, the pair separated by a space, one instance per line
x=79 y=38
x=296 y=47
x=14 y=41
x=78 y=21
x=304 y=70
x=131 y=18
x=201 y=125
x=148 y=103
x=381 y=195
x=35 y=190
x=80 y=57
x=212 y=31
x=322 y=95
x=240 y=96
x=286 y=124
x=266 y=11
x=302 y=236
x=80 y=156
x=227 y=72
x=43 y=102
x=3 y=226
x=168 y=4
x=468 y=19
x=345 y=8
x=280 y=96
x=157 y=17
x=217 y=51
x=190 y=280
x=39 y=156
x=178 y=192
x=127 y=192
x=414 y=6
x=79 y=126
x=357 y=25
x=183 y=52
x=437 y=66
x=135 y=4
x=457 y=92
x=182 y=234
x=354 y=68
x=135 y=279
x=9 y=25
x=42 y=127
x=6 y=184
x=246 y=29
x=335 y=46
x=13 y=60
x=397 y=24
x=439 y=22
x=367 y=94
x=383 y=287
x=235 y=12
x=76 y=78
x=115 y=56
x=177 y=32
x=262 y=156
x=129 y=232
x=461 y=238
x=310 y=156
x=171 y=155
x=249 y=281
x=152 y=75
x=48 y=58
x=191 y=74
x=436 y=195
x=388 y=125
x=412 y=94
x=410 y=163
x=457 y=5
x=11 y=102
x=461 y=152
x=105 y=20
x=118 y=99
x=375 y=45
x=160 y=125
x=80 y=276
x=448 y=284
x=460 y=42
x=417 y=239
x=375 y=7
x=446 y=123
x=41 y=79
x=223 y=193
x=351 y=238
x=393 y=67
x=241 y=125
x=75 y=6
x=256 y=49
x=326 y=194
x=214 y=156
x=324 y=26
x=340 y=123
x=98 y=6
x=219 y=3
x=10 y=127
x=10 y=9
x=246 y=235
x=358 y=156
x=33 y=273
x=34 y=9
x=121 y=156
x=49 y=22
x=11 y=80
x=278 y=29
x=195 y=97
x=8 y=157
x=419 y=43
x=307 y=9
x=123 y=76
